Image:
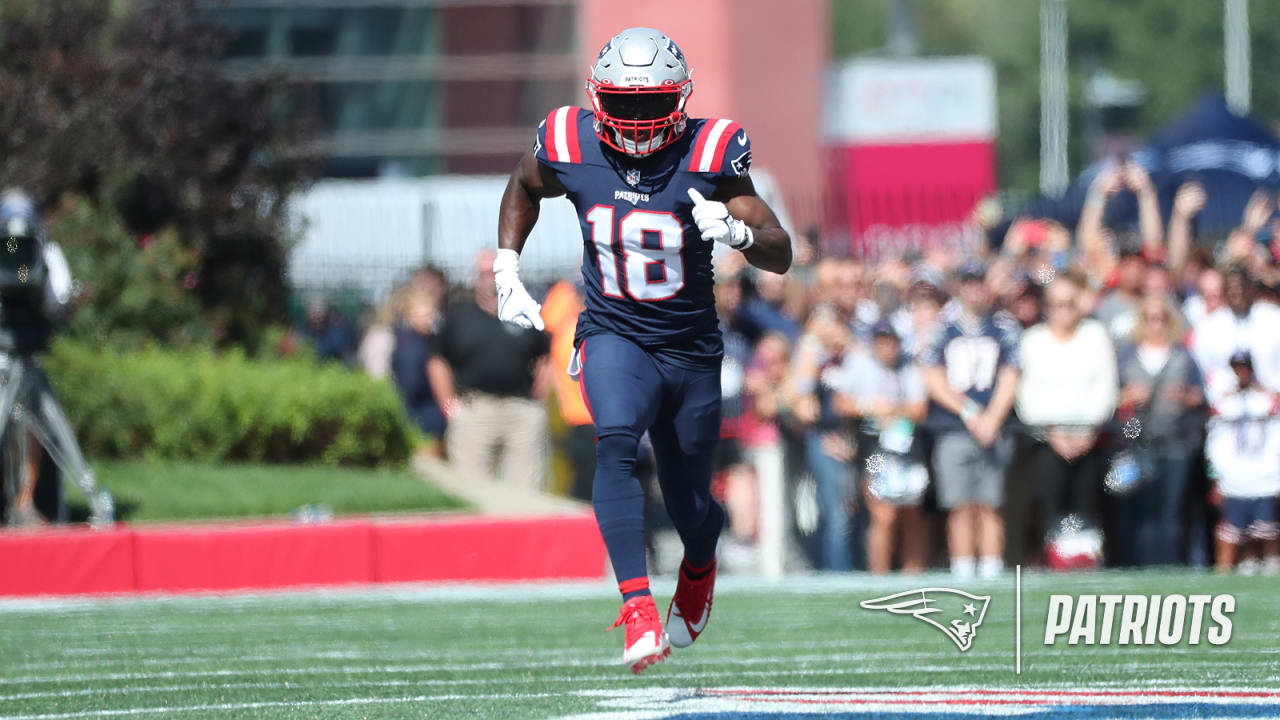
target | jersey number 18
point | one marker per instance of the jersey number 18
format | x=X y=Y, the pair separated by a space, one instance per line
x=648 y=243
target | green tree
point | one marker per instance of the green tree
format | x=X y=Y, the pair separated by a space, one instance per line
x=119 y=110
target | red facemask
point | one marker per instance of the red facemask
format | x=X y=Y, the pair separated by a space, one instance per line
x=638 y=120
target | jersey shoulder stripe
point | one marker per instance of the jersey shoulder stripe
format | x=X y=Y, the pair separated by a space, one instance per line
x=709 y=148
x=562 y=143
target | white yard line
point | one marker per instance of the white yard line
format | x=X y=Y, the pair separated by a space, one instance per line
x=573 y=656
x=381 y=595
x=620 y=678
x=606 y=669
x=861 y=695
x=171 y=709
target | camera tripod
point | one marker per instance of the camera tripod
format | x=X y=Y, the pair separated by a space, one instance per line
x=27 y=403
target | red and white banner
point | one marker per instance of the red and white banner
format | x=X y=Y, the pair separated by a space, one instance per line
x=911 y=149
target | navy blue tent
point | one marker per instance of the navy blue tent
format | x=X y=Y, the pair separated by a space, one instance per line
x=1231 y=155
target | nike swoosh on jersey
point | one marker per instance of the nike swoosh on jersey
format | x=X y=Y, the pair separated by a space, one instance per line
x=742 y=139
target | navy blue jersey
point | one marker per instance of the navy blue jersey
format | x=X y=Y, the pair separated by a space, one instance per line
x=646 y=268
x=972 y=353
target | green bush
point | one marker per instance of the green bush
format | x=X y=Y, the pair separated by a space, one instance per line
x=222 y=406
x=131 y=293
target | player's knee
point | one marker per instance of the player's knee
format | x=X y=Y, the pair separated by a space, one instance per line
x=615 y=465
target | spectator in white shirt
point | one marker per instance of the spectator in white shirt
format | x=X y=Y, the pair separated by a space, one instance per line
x=1208 y=300
x=1067 y=392
x=1246 y=325
x=1243 y=449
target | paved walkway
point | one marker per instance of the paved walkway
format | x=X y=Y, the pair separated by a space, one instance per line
x=490 y=497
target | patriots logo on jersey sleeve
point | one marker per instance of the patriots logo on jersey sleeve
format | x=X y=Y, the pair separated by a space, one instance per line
x=741 y=164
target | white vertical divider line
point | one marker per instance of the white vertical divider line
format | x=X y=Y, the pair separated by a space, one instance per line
x=1018 y=620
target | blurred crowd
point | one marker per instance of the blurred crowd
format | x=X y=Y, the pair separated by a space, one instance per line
x=1054 y=396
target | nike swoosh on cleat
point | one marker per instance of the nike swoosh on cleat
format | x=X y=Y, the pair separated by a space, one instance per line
x=697 y=627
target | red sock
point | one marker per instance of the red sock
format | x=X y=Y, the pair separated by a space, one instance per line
x=694 y=573
x=635 y=587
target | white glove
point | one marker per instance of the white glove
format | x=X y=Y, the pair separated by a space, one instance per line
x=715 y=223
x=515 y=305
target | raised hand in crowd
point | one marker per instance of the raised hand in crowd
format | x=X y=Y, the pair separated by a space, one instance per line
x=1189 y=200
x=1187 y=203
x=1256 y=212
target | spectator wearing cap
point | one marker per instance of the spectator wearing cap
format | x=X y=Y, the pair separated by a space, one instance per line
x=1162 y=389
x=1242 y=448
x=888 y=396
x=1067 y=393
x=925 y=299
x=971 y=373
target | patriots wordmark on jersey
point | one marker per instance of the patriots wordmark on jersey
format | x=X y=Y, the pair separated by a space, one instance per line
x=646 y=268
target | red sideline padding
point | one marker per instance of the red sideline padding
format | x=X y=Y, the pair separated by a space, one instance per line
x=568 y=546
x=175 y=559
x=66 y=562
x=280 y=554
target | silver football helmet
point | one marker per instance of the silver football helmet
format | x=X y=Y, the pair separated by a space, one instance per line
x=638 y=88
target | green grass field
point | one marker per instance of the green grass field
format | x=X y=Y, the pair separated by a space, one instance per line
x=541 y=651
x=149 y=492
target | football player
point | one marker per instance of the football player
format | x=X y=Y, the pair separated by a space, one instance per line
x=654 y=190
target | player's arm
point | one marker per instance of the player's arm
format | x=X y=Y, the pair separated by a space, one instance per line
x=771 y=249
x=738 y=217
x=530 y=182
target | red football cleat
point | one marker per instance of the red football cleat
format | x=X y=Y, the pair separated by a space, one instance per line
x=690 y=607
x=646 y=643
